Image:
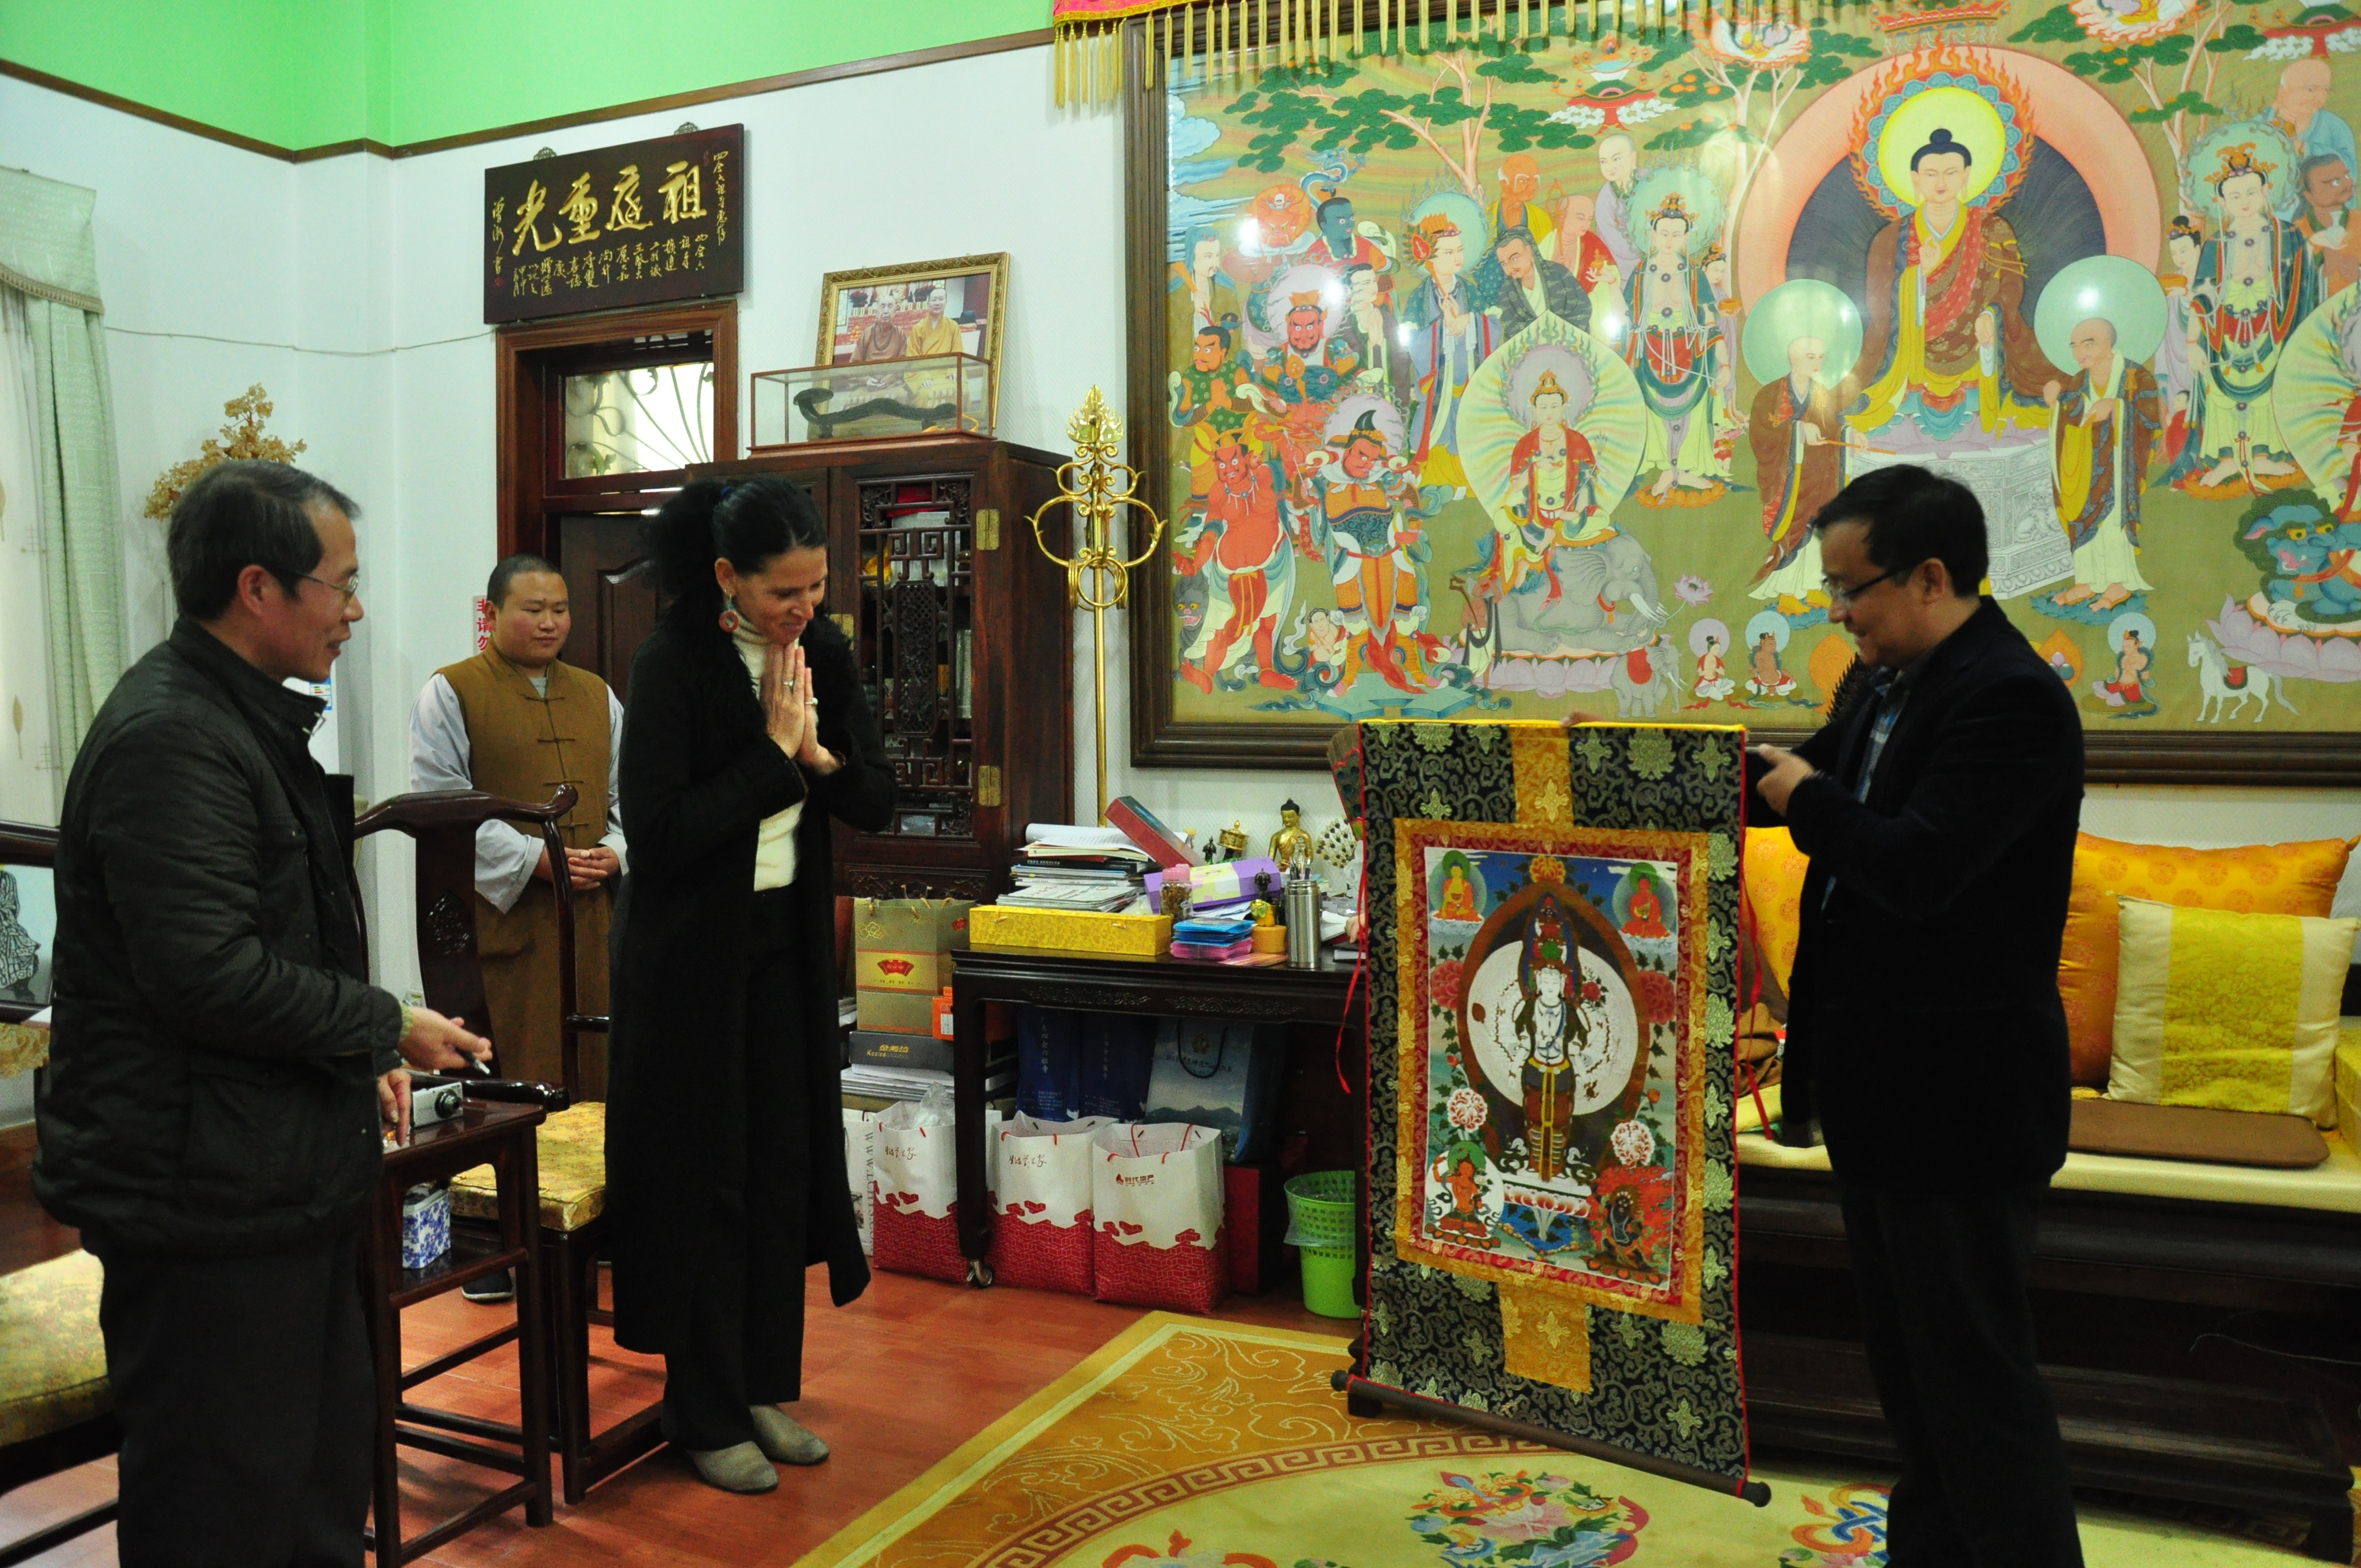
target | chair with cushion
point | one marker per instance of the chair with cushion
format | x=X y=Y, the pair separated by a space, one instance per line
x=55 y=1409
x=573 y=1154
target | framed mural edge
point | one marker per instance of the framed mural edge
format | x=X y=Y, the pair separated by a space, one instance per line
x=994 y=263
x=2169 y=708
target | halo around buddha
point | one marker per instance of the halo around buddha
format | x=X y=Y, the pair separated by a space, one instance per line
x=1771 y=621
x=1660 y=189
x=1467 y=215
x=2116 y=289
x=1802 y=307
x=2131 y=621
x=1707 y=628
x=2260 y=143
x=1978 y=115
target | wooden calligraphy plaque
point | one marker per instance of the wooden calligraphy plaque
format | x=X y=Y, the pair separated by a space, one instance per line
x=634 y=225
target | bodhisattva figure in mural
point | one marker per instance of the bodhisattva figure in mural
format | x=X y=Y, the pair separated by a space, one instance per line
x=2256 y=279
x=1799 y=432
x=1553 y=476
x=2106 y=425
x=1451 y=335
x=1944 y=341
x=1241 y=551
x=1550 y=1022
x=1369 y=518
x=1675 y=352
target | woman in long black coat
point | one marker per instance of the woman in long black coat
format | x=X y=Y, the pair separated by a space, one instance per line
x=746 y=733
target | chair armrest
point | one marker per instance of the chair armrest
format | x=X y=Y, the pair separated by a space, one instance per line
x=548 y=1096
x=594 y=1022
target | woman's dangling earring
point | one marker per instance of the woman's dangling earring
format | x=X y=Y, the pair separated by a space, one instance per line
x=729 y=619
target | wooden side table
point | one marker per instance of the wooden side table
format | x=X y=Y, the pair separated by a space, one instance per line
x=503 y=1136
x=1104 y=982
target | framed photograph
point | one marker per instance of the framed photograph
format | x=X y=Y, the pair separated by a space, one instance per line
x=953 y=306
x=28 y=931
x=1484 y=368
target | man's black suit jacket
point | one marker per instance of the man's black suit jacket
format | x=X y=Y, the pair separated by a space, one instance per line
x=1924 y=1033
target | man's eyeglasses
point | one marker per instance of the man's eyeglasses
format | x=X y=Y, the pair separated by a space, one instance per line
x=347 y=589
x=1840 y=595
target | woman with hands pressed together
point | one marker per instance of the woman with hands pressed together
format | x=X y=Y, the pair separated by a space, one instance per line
x=745 y=733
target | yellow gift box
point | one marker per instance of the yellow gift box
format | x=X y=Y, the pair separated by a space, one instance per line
x=1070 y=931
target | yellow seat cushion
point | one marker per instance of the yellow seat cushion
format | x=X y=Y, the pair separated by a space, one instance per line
x=2347 y=1075
x=573 y=1156
x=1773 y=874
x=2260 y=879
x=2227 y=1011
x=52 y=1359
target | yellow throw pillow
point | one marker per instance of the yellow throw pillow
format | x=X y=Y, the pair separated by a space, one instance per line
x=2227 y=1011
x=1774 y=872
x=2264 y=879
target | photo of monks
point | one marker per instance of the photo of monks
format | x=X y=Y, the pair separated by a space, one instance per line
x=911 y=318
x=1505 y=373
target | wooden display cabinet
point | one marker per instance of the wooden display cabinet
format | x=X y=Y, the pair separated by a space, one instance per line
x=961 y=625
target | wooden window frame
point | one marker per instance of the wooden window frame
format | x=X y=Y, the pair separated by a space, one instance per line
x=523 y=355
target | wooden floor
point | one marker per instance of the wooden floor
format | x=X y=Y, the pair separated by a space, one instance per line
x=894 y=1382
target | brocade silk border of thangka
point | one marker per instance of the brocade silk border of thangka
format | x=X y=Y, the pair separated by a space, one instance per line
x=1553 y=996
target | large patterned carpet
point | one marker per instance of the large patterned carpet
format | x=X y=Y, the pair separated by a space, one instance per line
x=1185 y=1443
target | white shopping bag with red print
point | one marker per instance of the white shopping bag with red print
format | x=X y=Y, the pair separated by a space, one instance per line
x=916 y=1224
x=1156 y=1192
x=1041 y=1225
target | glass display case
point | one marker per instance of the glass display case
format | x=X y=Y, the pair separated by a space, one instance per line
x=938 y=394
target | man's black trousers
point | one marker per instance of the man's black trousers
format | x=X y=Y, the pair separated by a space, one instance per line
x=244 y=1388
x=1948 y=1322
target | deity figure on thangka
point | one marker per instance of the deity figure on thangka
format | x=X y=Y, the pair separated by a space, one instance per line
x=1451 y=335
x=2307 y=553
x=1236 y=542
x=1552 y=993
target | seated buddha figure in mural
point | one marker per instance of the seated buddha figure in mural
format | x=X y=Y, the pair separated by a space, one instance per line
x=1553 y=476
x=1945 y=344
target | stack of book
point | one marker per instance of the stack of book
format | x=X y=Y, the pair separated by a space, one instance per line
x=1096 y=870
x=887 y=1066
x=1213 y=940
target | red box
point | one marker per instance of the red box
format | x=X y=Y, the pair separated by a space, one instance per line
x=1253 y=1224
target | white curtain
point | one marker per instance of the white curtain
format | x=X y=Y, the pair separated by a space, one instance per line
x=32 y=775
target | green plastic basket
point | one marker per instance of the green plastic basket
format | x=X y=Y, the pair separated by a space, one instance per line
x=1323 y=1207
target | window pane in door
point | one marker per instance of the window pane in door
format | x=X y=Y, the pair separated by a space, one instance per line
x=642 y=419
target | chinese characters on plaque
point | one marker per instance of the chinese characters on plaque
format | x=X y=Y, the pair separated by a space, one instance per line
x=633 y=224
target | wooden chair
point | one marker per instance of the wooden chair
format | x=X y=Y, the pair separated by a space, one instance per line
x=443 y=826
x=573 y=1168
x=55 y=1412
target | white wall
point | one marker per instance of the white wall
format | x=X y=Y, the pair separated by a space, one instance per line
x=350 y=288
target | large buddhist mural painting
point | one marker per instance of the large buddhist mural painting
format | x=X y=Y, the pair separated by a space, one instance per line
x=1506 y=375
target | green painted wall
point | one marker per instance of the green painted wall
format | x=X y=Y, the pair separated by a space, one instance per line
x=306 y=72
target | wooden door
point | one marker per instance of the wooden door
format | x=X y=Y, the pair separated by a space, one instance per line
x=613 y=581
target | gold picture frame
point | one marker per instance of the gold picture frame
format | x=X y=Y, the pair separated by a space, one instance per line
x=889 y=305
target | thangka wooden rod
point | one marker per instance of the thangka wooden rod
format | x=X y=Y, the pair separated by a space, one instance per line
x=1106 y=485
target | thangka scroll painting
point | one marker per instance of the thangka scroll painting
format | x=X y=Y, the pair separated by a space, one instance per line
x=1553 y=1229
x=1506 y=351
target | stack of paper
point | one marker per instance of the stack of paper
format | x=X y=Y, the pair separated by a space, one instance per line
x=912 y=1082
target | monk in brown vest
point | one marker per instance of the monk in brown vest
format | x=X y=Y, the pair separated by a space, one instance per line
x=515 y=722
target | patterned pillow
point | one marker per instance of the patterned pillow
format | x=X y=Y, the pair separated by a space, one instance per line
x=2227 y=1011
x=2266 y=879
x=1775 y=896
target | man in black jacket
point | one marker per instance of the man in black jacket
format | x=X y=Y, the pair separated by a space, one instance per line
x=1926 y=1039
x=219 y=1063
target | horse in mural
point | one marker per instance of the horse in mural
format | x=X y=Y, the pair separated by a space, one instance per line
x=2228 y=692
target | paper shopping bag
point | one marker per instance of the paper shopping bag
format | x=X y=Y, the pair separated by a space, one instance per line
x=1156 y=1193
x=1042 y=1226
x=916 y=1222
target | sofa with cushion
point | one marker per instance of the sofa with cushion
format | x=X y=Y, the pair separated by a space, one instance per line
x=2199 y=1306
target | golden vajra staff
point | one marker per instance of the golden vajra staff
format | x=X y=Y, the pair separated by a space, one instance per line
x=1096 y=484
